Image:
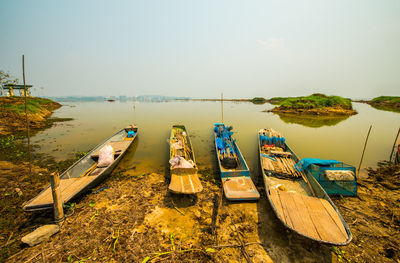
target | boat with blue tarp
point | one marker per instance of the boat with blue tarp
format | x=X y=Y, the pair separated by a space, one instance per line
x=295 y=196
x=235 y=174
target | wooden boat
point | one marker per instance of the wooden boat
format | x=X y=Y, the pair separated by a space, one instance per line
x=84 y=174
x=235 y=174
x=297 y=199
x=397 y=159
x=183 y=168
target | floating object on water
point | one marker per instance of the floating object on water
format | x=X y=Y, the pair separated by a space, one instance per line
x=297 y=199
x=84 y=174
x=235 y=174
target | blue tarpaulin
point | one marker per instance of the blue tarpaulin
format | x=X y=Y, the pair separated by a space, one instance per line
x=304 y=163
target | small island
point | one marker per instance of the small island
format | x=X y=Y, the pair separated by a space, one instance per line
x=388 y=103
x=315 y=104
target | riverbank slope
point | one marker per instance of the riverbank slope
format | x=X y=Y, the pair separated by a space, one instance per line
x=12 y=113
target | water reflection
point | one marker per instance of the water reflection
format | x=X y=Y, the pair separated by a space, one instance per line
x=312 y=121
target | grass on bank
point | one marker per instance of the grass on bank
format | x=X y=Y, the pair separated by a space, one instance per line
x=313 y=101
x=386 y=99
x=388 y=103
x=17 y=104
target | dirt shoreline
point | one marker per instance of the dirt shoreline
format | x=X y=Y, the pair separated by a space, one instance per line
x=13 y=121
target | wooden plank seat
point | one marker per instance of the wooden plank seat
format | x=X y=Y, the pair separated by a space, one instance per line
x=69 y=187
x=239 y=188
x=185 y=183
x=310 y=216
x=119 y=147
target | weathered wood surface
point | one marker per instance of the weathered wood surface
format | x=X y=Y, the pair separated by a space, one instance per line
x=68 y=188
x=238 y=188
x=310 y=216
x=185 y=184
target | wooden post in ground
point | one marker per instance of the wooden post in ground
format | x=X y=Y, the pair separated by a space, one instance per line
x=394 y=145
x=365 y=145
x=214 y=213
x=57 y=200
x=26 y=119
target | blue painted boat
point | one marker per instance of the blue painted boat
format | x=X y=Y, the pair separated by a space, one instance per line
x=235 y=174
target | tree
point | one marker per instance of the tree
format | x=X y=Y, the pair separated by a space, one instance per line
x=6 y=78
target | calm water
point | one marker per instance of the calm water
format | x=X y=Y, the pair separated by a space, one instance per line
x=329 y=138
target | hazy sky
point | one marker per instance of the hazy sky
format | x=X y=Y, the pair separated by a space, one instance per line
x=203 y=48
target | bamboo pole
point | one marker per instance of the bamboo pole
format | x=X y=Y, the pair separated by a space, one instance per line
x=365 y=145
x=57 y=200
x=26 y=119
x=222 y=106
x=394 y=145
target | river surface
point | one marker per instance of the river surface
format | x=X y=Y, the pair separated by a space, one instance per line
x=327 y=138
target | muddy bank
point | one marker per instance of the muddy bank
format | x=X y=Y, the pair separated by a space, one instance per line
x=12 y=114
x=132 y=217
x=373 y=217
x=16 y=188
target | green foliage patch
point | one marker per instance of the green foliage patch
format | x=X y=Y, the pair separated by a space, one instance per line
x=17 y=105
x=313 y=101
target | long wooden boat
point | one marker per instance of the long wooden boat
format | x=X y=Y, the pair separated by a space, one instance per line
x=84 y=174
x=183 y=168
x=235 y=174
x=297 y=199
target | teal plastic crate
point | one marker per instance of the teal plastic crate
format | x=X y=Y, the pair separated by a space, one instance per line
x=335 y=187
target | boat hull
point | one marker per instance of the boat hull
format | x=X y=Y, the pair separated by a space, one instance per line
x=83 y=184
x=312 y=216
x=183 y=180
x=237 y=183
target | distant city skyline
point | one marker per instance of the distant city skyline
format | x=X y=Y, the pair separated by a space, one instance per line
x=201 y=49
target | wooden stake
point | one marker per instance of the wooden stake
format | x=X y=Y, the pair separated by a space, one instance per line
x=57 y=200
x=26 y=120
x=214 y=213
x=365 y=145
x=394 y=145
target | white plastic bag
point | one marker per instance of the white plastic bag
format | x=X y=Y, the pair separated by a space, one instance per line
x=180 y=162
x=106 y=156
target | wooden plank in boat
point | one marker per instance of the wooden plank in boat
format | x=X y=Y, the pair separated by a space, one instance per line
x=69 y=187
x=298 y=214
x=185 y=184
x=326 y=227
x=334 y=215
x=285 y=210
x=118 y=147
x=240 y=188
x=277 y=202
x=307 y=220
